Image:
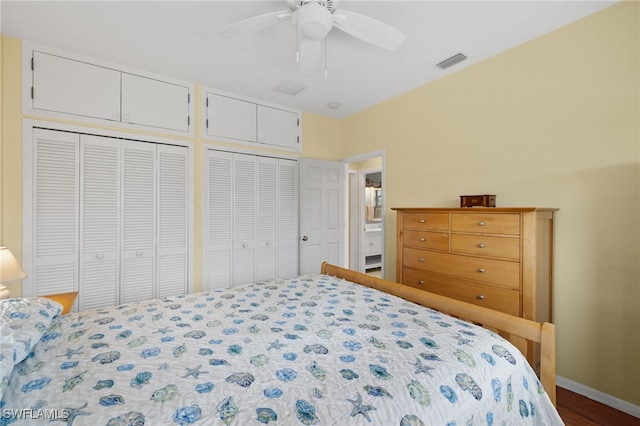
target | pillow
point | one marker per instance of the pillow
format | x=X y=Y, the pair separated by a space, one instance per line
x=23 y=321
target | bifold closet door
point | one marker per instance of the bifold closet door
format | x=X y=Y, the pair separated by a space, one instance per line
x=99 y=222
x=287 y=218
x=54 y=231
x=244 y=218
x=173 y=221
x=267 y=219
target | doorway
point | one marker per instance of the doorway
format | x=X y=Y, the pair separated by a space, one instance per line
x=366 y=213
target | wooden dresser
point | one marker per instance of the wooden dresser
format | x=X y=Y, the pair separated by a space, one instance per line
x=500 y=258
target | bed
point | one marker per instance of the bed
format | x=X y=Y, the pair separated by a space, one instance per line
x=337 y=348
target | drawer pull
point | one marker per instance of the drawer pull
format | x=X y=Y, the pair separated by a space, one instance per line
x=481 y=270
x=423 y=239
x=421 y=259
x=481 y=296
x=422 y=221
x=481 y=223
x=421 y=282
x=481 y=245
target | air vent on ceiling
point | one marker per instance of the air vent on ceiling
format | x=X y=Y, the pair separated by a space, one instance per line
x=455 y=59
x=289 y=87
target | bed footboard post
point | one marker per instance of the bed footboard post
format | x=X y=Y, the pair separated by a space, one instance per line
x=548 y=360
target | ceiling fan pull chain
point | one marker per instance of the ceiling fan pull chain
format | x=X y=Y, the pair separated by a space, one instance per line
x=325 y=59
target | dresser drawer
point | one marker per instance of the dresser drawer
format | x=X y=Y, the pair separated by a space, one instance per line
x=486 y=223
x=502 y=273
x=426 y=221
x=424 y=239
x=485 y=245
x=500 y=299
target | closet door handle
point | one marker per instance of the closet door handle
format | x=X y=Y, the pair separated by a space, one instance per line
x=139 y=253
x=305 y=238
x=100 y=256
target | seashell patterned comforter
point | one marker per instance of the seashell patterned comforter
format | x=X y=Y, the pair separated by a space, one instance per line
x=302 y=351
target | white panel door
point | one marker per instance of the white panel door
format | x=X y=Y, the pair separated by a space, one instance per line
x=322 y=214
x=138 y=221
x=267 y=219
x=154 y=103
x=53 y=261
x=217 y=220
x=173 y=220
x=277 y=127
x=231 y=118
x=244 y=218
x=73 y=87
x=287 y=218
x=99 y=222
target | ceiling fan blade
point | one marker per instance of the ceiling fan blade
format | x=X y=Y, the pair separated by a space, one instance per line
x=368 y=29
x=310 y=53
x=254 y=23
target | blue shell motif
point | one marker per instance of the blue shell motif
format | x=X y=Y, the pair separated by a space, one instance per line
x=164 y=394
x=36 y=384
x=380 y=372
x=430 y=357
x=110 y=400
x=205 y=387
x=217 y=361
x=349 y=374
x=377 y=391
x=448 y=393
x=317 y=371
x=147 y=353
x=290 y=356
x=487 y=357
x=141 y=379
x=503 y=353
x=411 y=420
x=306 y=412
x=242 y=379
x=68 y=364
x=286 y=374
x=227 y=410
x=205 y=351
x=130 y=418
x=347 y=358
x=195 y=334
x=102 y=384
x=265 y=415
x=467 y=383
x=316 y=349
x=187 y=415
x=524 y=409
x=272 y=393
x=430 y=343
x=106 y=357
x=125 y=367
x=496 y=387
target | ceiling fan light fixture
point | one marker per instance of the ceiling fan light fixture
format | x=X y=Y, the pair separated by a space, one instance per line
x=314 y=21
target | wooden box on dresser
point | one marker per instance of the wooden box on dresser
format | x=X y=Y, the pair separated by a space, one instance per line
x=500 y=258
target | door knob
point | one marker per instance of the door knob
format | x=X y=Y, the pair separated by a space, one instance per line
x=305 y=238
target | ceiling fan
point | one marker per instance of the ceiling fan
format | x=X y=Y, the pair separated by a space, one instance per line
x=313 y=20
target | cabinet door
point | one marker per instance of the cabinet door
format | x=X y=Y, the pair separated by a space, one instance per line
x=217 y=220
x=138 y=221
x=74 y=87
x=231 y=118
x=173 y=220
x=277 y=127
x=99 y=222
x=55 y=213
x=244 y=218
x=267 y=218
x=154 y=103
x=287 y=218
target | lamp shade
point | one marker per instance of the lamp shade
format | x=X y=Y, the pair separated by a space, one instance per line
x=10 y=269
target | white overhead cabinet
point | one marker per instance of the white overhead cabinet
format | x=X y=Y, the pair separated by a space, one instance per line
x=236 y=119
x=65 y=85
x=250 y=219
x=110 y=218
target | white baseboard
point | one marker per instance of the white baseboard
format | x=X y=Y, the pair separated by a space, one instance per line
x=596 y=395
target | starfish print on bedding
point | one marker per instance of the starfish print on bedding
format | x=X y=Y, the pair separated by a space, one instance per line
x=420 y=368
x=358 y=408
x=163 y=330
x=72 y=352
x=195 y=372
x=276 y=345
x=72 y=413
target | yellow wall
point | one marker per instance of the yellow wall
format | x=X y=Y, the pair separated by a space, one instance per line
x=551 y=123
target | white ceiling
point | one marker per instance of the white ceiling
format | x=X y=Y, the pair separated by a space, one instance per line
x=177 y=39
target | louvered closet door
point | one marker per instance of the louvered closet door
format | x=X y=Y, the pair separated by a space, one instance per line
x=138 y=221
x=267 y=219
x=244 y=219
x=218 y=220
x=173 y=220
x=99 y=221
x=287 y=218
x=55 y=218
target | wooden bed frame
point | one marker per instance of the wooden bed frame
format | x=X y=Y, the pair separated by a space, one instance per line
x=507 y=325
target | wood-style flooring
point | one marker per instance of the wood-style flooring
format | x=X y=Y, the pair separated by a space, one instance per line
x=578 y=410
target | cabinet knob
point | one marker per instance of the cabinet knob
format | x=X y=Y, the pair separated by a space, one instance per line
x=421 y=259
x=268 y=244
x=422 y=221
x=481 y=223
x=481 y=245
x=481 y=296
x=100 y=256
x=139 y=253
x=245 y=245
x=481 y=270
x=422 y=240
x=421 y=282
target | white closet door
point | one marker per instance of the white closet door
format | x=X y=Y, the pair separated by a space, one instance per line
x=277 y=127
x=99 y=221
x=267 y=219
x=138 y=221
x=244 y=219
x=287 y=218
x=173 y=220
x=218 y=220
x=55 y=216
